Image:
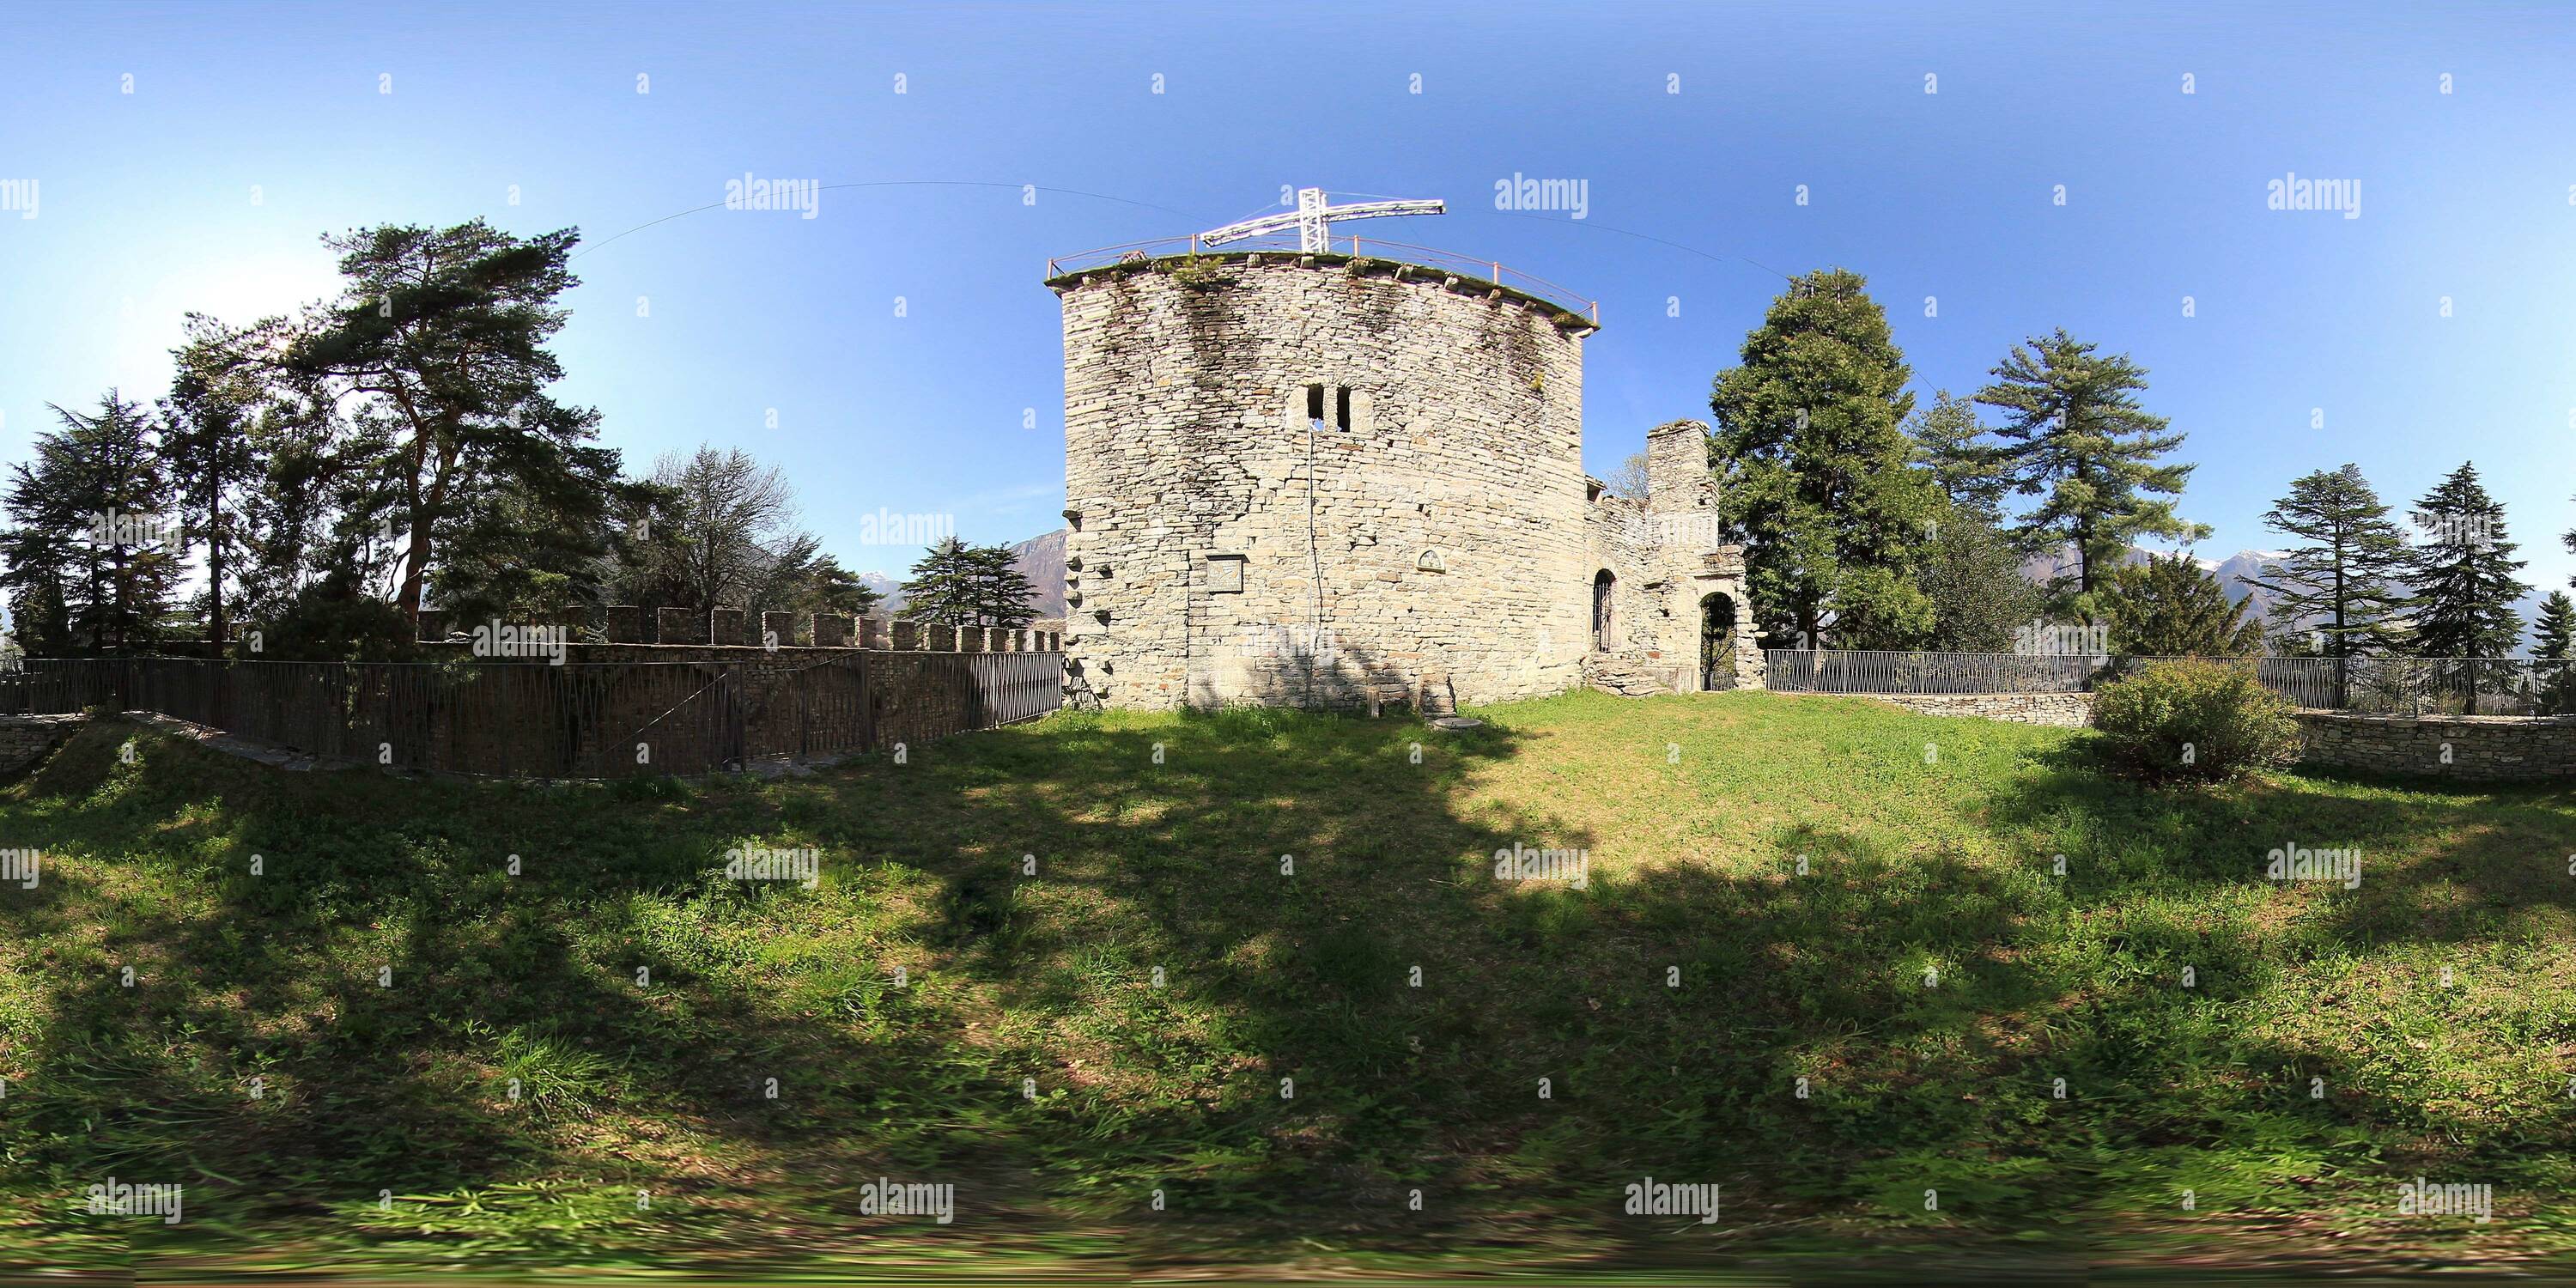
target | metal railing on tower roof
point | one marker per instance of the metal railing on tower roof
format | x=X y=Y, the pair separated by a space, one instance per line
x=1343 y=250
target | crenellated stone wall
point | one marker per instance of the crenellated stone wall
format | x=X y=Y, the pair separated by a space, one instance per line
x=623 y=624
x=1321 y=481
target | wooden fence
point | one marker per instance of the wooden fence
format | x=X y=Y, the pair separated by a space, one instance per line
x=580 y=720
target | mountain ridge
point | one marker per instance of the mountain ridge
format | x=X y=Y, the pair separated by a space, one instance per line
x=1040 y=559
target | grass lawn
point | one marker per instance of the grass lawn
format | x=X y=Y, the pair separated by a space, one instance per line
x=1263 y=968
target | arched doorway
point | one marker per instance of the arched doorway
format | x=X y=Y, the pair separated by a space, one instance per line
x=1717 y=628
x=1604 y=638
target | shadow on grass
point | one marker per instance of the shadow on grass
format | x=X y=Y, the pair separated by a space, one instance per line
x=1223 y=988
x=2171 y=878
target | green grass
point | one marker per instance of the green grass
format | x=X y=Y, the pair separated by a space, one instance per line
x=1029 y=1058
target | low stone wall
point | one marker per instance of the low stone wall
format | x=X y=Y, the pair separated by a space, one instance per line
x=24 y=740
x=2488 y=749
x=2469 y=748
x=2067 y=710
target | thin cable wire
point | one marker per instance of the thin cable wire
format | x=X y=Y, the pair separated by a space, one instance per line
x=1715 y=259
x=1127 y=201
x=1718 y=259
x=902 y=183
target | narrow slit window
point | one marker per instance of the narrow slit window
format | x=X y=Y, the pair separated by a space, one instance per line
x=1315 y=404
x=1342 y=407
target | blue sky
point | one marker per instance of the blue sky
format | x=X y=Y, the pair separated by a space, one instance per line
x=252 y=128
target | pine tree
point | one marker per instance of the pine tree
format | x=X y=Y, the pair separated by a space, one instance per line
x=2170 y=606
x=963 y=585
x=2553 y=634
x=2343 y=583
x=1980 y=597
x=436 y=347
x=942 y=585
x=209 y=416
x=2553 y=653
x=36 y=556
x=2076 y=437
x=90 y=553
x=1003 y=593
x=831 y=588
x=1973 y=474
x=1815 y=472
x=2462 y=575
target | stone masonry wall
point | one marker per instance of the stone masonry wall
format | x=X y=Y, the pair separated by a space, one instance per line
x=2470 y=748
x=1225 y=547
x=2467 y=748
x=24 y=740
x=2070 y=710
x=1665 y=566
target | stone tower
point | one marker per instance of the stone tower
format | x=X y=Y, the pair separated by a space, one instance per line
x=1319 y=480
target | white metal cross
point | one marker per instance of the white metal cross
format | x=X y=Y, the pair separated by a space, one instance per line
x=1310 y=219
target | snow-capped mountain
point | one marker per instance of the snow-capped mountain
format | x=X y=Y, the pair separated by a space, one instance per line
x=2236 y=572
x=1040 y=559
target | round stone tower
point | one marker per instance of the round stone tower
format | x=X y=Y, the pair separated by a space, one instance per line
x=1309 y=479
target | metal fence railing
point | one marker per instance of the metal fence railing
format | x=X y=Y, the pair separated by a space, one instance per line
x=1342 y=249
x=2390 y=685
x=580 y=720
x=1888 y=671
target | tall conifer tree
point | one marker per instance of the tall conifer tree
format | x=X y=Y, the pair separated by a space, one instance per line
x=2075 y=436
x=1815 y=469
x=90 y=557
x=2342 y=585
x=2462 y=573
x=2553 y=653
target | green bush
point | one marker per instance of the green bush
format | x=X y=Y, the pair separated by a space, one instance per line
x=2195 y=719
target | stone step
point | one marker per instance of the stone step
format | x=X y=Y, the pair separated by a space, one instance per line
x=1613 y=674
x=1436 y=698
